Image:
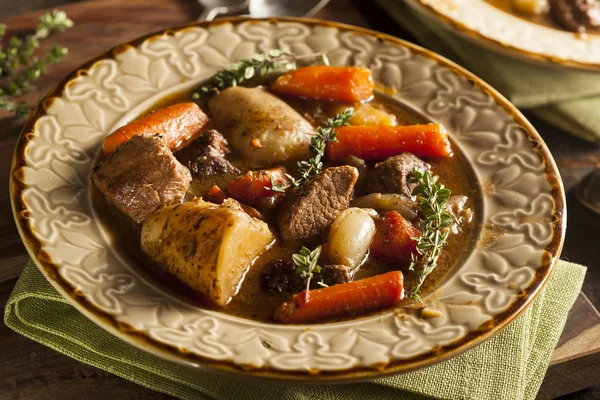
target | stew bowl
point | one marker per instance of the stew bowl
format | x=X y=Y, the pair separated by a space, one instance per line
x=520 y=211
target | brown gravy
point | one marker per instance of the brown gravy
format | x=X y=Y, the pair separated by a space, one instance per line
x=252 y=301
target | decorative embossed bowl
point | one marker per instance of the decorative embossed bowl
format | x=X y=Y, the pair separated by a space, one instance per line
x=484 y=24
x=521 y=208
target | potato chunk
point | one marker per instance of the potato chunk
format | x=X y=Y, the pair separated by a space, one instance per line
x=208 y=247
x=260 y=126
x=366 y=114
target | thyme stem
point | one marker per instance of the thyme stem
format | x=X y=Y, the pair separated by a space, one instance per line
x=18 y=68
x=318 y=145
x=306 y=265
x=431 y=197
x=258 y=65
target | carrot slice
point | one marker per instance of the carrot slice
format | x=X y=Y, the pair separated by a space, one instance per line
x=375 y=143
x=251 y=187
x=179 y=124
x=216 y=195
x=349 y=84
x=394 y=240
x=346 y=298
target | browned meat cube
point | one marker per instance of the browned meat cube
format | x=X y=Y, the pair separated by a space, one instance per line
x=334 y=274
x=141 y=176
x=576 y=15
x=393 y=174
x=208 y=155
x=310 y=210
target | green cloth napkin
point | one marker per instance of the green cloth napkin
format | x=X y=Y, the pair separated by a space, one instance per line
x=511 y=365
x=567 y=99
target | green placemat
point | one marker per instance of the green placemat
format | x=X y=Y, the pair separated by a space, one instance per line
x=509 y=366
x=567 y=99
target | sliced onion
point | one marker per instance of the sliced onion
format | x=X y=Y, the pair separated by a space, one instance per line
x=388 y=202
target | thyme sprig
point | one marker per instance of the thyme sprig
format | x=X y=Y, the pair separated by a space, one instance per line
x=19 y=68
x=431 y=197
x=258 y=65
x=306 y=266
x=318 y=145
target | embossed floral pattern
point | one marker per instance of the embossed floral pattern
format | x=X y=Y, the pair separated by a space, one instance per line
x=63 y=144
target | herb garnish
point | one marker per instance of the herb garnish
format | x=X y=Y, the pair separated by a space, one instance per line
x=267 y=343
x=258 y=65
x=307 y=267
x=17 y=66
x=431 y=197
x=318 y=144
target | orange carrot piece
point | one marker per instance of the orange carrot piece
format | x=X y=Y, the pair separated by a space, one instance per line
x=216 y=195
x=179 y=124
x=346 y=298
x=349 y=84
x=255 y=142
x=376 y=143
x=251 y=187
x=394 y=240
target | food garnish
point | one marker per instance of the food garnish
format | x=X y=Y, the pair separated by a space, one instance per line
x=246 y=69
x=307 y=267
x=431 y=197
x=18 y=68
x=318 y=144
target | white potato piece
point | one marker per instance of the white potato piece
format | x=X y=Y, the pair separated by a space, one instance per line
x=349 y=237
x=261 y=127
x=208 y=247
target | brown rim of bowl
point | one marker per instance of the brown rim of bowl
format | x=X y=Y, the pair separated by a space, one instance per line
x=142 y=341
x=504 y=48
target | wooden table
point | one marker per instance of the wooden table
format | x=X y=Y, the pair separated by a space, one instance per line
x=32 y=371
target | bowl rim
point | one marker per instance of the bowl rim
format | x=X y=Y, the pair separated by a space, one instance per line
x=356 y=374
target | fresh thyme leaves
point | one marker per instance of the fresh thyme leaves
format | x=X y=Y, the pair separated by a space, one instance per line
x=50 y=21
x=306 y=265
x=18 y=66
x=257 y=65
x=267 y=343
x=431 y=197
x=318 y=144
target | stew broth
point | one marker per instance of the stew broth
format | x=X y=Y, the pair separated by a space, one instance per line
x=252 y=301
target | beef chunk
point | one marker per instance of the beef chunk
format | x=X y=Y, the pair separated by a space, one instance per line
x=141 y=176
x=310 y=209
x=334 y=274
x=282 y=277
x=393 y=174
x=576 y=15
x=207 y=155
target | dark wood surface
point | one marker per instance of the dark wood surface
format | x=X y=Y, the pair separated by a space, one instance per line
x=31 y=371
